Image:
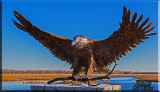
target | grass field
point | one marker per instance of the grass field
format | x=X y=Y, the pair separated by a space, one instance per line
x=26 y=77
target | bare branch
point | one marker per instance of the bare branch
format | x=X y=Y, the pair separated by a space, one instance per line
x=81 y=80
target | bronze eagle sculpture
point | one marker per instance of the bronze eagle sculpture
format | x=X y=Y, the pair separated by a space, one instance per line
x=84 y=52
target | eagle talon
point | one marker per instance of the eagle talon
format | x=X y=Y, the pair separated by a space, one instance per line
x=72 y=78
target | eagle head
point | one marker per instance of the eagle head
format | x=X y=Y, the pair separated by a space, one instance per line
x=79 y=41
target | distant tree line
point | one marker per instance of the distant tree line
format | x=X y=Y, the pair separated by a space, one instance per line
x=11 y=71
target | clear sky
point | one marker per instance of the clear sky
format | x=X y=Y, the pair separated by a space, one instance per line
x=95 y=20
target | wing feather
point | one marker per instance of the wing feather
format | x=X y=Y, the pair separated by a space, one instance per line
x=58 y=46
x=123 y=40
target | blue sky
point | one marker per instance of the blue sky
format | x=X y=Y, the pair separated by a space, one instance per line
x=95 y=20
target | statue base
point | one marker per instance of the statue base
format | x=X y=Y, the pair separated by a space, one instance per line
x=77 y=87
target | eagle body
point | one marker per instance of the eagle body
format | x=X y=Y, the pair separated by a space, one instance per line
x=83 y=55
x=82 y=58
x=83 y=52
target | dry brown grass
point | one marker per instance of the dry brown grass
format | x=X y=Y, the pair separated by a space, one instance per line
x=22 y=77
x=25 y=77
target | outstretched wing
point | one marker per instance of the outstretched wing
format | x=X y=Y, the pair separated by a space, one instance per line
x=120 y=42
x=58 y=46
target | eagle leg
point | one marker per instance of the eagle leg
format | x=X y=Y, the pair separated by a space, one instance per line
x=76 y=67
x=89 y=68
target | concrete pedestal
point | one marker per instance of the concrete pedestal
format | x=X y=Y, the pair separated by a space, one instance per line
x=69 y=87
